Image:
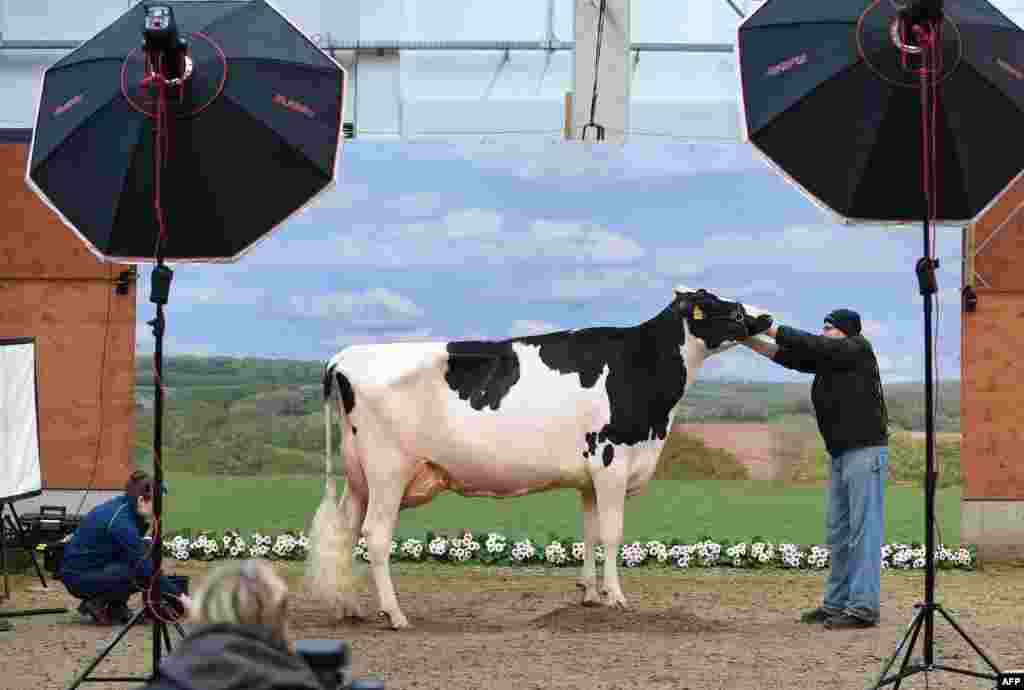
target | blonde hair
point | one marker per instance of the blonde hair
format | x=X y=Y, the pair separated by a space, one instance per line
x=247 y=592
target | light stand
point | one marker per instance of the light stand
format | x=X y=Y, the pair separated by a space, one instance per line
x=165 y=51
x=160 y=285
x=928 y=10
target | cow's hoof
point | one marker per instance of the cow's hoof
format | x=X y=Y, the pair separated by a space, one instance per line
x=352 y=615
x=395 y=621
x=590 y=595
x=616 y=601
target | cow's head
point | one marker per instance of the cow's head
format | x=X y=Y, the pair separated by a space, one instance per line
x=718 y=323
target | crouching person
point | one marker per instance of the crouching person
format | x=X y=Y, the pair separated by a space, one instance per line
x=240 y=636
x=108 y=560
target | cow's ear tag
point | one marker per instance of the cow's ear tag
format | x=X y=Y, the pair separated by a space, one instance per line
x=697 y=313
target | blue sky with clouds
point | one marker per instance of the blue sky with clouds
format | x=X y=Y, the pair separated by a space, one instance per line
x=424 y=241
x=530 y=234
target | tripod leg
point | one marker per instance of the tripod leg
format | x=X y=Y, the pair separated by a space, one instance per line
x=969 y=641
x=3 y=566
x=102 y=655
x=25 y=545
x=912 y=630
x=910 y=648
x=3 y=557
x=167 y=637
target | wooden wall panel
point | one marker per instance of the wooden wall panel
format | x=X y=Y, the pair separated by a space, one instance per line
x=992 y=393
x=999 y=233
x=53 y=288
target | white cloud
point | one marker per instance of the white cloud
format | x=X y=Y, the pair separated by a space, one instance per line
x=896 y=364
x=172 y=345
x=946 y=296
x=523 y=327
x=225 y=295
x=376 y=308
x=581 y=241
x=741 y=364
x=346 y=195
x=760 y=288
x=470 y=224
x=829 y=249
x=418 y=204
x=582 y=285
x=874 y=329
x=356 y=337
x=808 y=238
x=482 y=236
x=679 y=263
x=576 y=163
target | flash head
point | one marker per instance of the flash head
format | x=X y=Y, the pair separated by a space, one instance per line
x=159 y=27
x=917 y=11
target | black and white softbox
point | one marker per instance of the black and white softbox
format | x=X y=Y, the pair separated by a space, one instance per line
x=20 y=476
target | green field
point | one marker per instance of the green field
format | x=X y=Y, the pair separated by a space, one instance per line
x=669 y=509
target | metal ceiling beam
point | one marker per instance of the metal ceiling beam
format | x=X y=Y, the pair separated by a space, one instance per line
x=549 y=45
x=736 y=9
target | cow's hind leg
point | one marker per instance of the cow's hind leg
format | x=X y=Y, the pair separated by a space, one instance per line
x=588 y=573
x=386 y=489
x=610 y=486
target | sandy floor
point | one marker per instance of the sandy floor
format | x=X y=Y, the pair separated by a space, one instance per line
x=522 y=629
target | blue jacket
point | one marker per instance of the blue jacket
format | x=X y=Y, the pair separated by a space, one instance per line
x=111 y=531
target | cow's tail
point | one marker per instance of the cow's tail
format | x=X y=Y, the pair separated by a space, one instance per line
x=332 y=537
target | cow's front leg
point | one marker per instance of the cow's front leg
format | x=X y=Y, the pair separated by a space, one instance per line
x=588 y=573
x=381 y=516
x=610 y=483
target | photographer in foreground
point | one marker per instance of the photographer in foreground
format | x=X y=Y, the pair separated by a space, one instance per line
x=240 y=637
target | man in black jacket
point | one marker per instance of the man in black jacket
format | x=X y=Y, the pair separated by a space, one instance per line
x=850 y=410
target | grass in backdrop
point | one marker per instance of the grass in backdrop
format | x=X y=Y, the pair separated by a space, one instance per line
x=669 y=508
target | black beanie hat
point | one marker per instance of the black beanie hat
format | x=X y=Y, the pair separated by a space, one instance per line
x=846 y=320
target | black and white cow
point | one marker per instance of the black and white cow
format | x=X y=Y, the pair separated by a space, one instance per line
x=588 y=409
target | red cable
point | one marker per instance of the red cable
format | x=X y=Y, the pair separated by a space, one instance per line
x=161 y=137
x=936 y=52
x=931 y=60
x=154 y=76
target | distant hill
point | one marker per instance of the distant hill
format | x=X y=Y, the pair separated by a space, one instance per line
x=768 y=401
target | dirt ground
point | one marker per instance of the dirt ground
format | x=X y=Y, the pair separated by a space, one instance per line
x=523 y=628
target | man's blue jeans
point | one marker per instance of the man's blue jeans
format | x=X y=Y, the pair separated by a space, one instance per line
x=856 y=524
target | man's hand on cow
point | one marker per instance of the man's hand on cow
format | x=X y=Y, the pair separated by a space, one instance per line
x=759 y=324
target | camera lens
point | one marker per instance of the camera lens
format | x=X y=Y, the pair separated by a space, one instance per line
x=329 y=659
